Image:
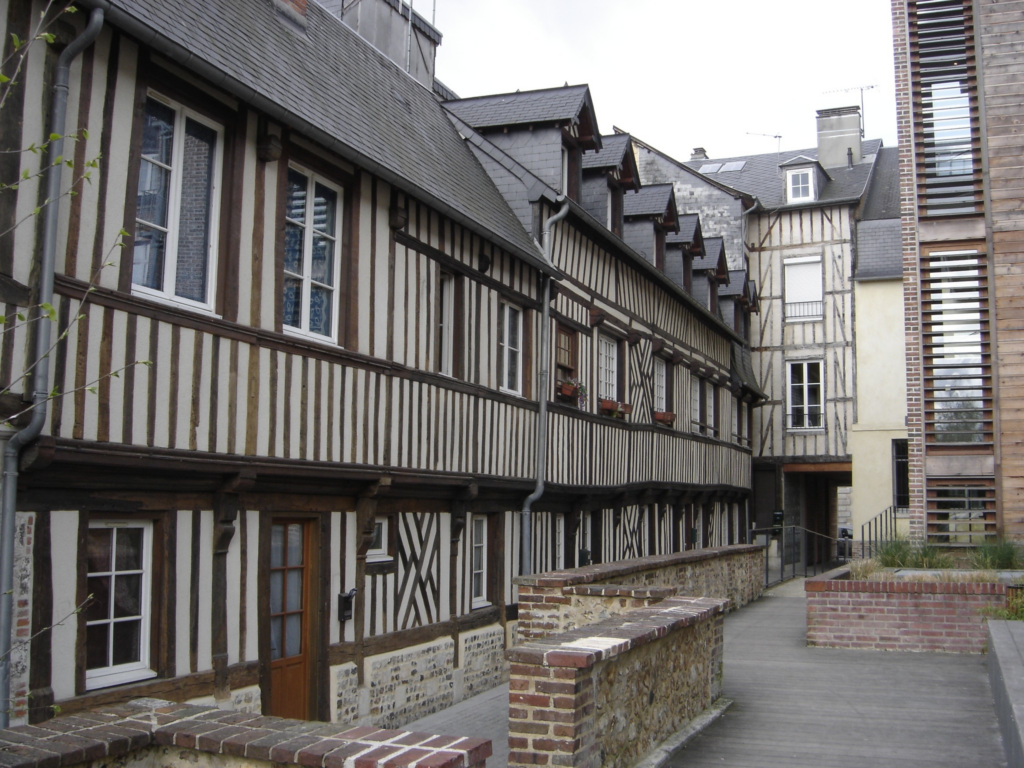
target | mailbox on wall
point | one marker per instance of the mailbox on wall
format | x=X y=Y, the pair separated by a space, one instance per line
x=778 y=519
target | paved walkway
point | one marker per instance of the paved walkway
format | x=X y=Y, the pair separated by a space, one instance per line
x=801 y=707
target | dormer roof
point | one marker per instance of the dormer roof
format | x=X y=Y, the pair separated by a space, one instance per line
x=654 y=201
x=570 y=104
x=713 y=260
x=616 y=152
x=689 y=235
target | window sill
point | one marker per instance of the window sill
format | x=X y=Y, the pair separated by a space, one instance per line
x=110 y=679
x=810 y=319
x=805 y=430
x=168 y=301
x=511 y=392
x=308 y=336
x=479 y=603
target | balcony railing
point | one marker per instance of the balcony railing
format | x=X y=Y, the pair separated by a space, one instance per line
x=804 y=310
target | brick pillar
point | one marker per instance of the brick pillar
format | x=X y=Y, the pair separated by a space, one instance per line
x=551 y=716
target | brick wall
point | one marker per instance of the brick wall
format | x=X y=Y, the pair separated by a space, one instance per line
x=150 y=733
x=560 y=601
x=609 y=693
x=899 y=615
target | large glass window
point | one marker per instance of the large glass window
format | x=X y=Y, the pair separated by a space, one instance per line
x=118 y=615
x=446 y=324
x=805 y=395
x=608 y=368
x=311 y=255
x=175 y=245
x=511 y=348
x=800 y=185
x=660 y=384
x=478 y=561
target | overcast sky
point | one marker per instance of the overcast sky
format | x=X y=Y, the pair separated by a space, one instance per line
x=680 y=73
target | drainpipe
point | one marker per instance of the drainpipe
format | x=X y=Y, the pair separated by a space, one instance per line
x=525 y=549
x=41 y=373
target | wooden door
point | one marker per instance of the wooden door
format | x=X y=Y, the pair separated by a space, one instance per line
x=290 y=618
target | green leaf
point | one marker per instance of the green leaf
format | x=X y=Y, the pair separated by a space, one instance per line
x=48 y=37
x=91 y=389
x=4 y=79
x=16 y=40
x=21 y=317
x=85 y=134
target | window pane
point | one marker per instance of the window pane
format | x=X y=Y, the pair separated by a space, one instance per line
x=293 y=634
x=129 y=549
x=158 y=132
x=296 y=200
x=296 y=543
x=97 y=646
x=325 y=206
x=277 y=591
x=478 y=585
x=294 y=595
x=276 y=637
x=276 y=546
x=148 y=257
x=293 y=245
x=99 y=607
x=813 y=373
x=126 y=646
x=292 y=309
x=151 y=199
x=320 y=310
x=513 y=327
x=98 y=550
x=127 y=596
x=323 y=260
x=513 y=370
x=195 y=212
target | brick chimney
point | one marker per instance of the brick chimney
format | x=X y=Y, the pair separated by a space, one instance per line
x=839 y=136
x=699 y=153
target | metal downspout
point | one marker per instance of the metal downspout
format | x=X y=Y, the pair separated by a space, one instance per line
x=526 y=545
x=41 y=372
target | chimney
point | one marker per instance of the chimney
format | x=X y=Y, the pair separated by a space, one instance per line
x=385 y=24
x=293 y=10
x=839 y=136
x=699 y=153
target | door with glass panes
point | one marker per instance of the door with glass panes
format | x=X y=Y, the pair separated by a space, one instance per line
x=290 y=617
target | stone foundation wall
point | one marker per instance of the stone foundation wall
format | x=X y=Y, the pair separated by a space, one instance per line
x=560 y=601
x=481 y=660
x=410 y=683
x=899 y=615
x=607 y=694
x=150 y=733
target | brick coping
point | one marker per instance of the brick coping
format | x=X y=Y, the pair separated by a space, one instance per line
x=621 y=590
x=839 y=580
x=585 y=646
x=592 y=573
x=113 y=731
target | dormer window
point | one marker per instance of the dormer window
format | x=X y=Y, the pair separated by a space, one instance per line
x=800 y=185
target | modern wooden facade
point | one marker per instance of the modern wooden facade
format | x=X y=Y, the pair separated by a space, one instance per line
x=959 y=96
x=300 y=493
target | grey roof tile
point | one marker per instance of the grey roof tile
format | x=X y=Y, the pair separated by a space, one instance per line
x=341 y=90
x=713 y=249
x=736 y=285
x=652 y=200
x=761 y=176
x=543 y=106
x=689 y=224
x=883 y=198
x=610 y=155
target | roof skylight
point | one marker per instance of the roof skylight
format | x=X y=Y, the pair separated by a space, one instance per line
x=710 y=168
x=736 y=165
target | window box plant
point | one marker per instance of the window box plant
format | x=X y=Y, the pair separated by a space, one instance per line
x=665 y=417
x=607 y=407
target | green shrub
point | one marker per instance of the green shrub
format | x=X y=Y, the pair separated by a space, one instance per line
x=1014 y=610
x=996 y=555
x=930 y=558
x=895 y=553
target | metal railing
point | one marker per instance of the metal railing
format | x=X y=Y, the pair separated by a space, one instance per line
x=800 y=552
x=879 y=530
x=804 y=309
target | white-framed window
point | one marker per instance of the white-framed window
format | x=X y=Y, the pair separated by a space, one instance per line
x=744 y=424
x=696 y=396
x=660 y=384
x=445 y=323
x=803 y=286
x=607 y=368
x=118 y=617
x=510 y=348
x=478 y=561
x=311 y=254
x=800 y=185
x=174 y=256
x=379 y=546
x=736 y=420
x=711 y=408
x=805 y=395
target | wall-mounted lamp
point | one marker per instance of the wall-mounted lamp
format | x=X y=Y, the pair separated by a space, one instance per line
x=346 y=602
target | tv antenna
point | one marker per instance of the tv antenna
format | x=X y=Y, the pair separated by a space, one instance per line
x=860 y=88
x=776 y=136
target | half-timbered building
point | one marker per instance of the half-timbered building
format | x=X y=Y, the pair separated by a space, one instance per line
x=794 y=217
x=302 y=491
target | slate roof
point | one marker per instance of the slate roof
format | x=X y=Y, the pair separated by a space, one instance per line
x=736 y=285
x=743 y=370
x=883 y=199
x=333 y=86
x=652 y=200
x=761 y=177
x=546 y=106
x=689 y=224
x=713 y=250
x=610 y=155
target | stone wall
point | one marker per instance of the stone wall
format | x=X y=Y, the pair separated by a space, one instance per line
x=607 y=694
x=899 y=615
x=151 y=733
x=411 y=683
x=560 y=601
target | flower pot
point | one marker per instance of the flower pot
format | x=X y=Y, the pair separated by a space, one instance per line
x=664 y=417
x=625 y=409
x=607 y=406
x=567 y=390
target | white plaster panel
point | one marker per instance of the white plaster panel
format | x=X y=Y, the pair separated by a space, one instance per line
x=251 y=594
x=204 y=656
x=183 y=590
x=63 y=550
